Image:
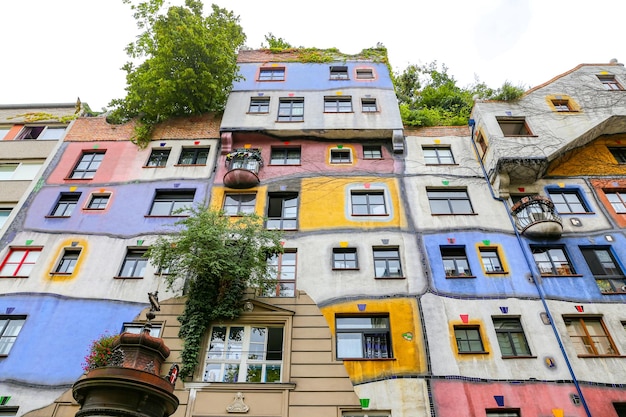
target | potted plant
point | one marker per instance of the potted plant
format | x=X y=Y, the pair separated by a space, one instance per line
x=100 y=352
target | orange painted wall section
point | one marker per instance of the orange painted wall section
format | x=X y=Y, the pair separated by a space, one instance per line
x=592 y=159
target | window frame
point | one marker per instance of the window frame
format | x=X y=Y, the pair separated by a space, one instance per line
x=610 y=82
x=372 y=152
x=134 y=262
x=455 y=256
x=158 y=158
x=7 y=345
x=285 y=221
x=284 y=158
x=618 y=201
x=511 y=336
x=502 y=412
x=169 y=196
x=604 y=279
x=5 y=213
x=337 y=104
x=439 y=195
x=27 y=129
x=67 y=201
x=369 y=105
x=196 y=151
x=259 y=105
x=370 y=206
x=249 y=206
x=619 y=153
x=366 y=74
x=287 y=109
x=22 y=171
x=286 y=272
x=96 y=199
x=341 y=262
x=25 y=259
x=562 y=192
x=491 y=268
x=465 y=328
x=385 y=257
x=561 y=105
x=555 y=264
x=337 y=156
x=591 y=343
x=243 y=360
x=519 y=125
x=442 y=155
x=135 y=327
x=91 y=165
x=363 y=333
x=67 y=261
x=339 y=73
x=271 y=74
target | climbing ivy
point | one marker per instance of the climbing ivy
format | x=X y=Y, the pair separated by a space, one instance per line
x=217 y=258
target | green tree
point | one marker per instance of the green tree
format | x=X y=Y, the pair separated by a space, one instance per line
x=217 y=258
x=429 y=96
x=189 y=64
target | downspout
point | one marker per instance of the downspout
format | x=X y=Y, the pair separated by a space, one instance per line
x=531 y=268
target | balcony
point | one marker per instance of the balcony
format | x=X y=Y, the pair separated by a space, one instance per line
x=536 y=217
x=243 y=168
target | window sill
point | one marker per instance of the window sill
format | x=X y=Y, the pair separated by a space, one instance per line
x=367 y=359
x=480 y=352
x=521 y=136
x=240 y=386
x=258 y=112
x=189 y=165
x=497 y=272
x=382 y=278
x=373 y=159
x=370 y=215
x=454 y=214
x=441 y=165
x=116 y=277
x=13 y=276
x=93 y=209
x=520 y=357
x=577 y=213
x=564 y=275
x=459 y=276
x=64 y=274
x=77 y=179
x=157 y=166
x=289 y=121
x=601 y=356
x=345 y=269
x=57 y=217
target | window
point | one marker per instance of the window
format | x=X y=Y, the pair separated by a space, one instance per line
x=19 y=172
x=366 y=337
x=511 y=337
x=158 y=158
x=620 y=409
x=503 y=412
x=605 y=269
x=272 y=74
x=552 y=260
x=282 y=211
x=340 y=156
x=387 y=263
x=468 y=339
x=337 y=104
x=87 y=166
x=68 y=261
x=455 y=262
x=449 y=202
x=134 y=264
x=364 y=74
x=284 y=268
x=490 y=259
x=65 y=205
x=514 y=126
x=4 y=215
x=482 y=144
x=368 y=105
x=3 y=131
x=617 y=200
x=259 y=105
x=285 y=156
x=345 y=258
x=368 y=203
x=19 y=262
x=291 y=110
x=245 y=353
x=193 y=156
x=339 y=72
x=137 y=328
x=561 y=105
x=372 y=152
x=98 y=201
x=589 y=336
x=568 y=201
x=10 y=327
x=437 y=155
x=619 y=153
x=41 y=133
x=238 y=204
x=609 y=82
x=172 y=203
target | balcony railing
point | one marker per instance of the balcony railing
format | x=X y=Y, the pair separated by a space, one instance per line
x=243 y=168
x=536 y=216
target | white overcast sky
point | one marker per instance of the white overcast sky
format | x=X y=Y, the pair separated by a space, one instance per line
x=53 y=51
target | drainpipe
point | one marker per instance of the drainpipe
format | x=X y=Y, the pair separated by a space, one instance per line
x=531 y=268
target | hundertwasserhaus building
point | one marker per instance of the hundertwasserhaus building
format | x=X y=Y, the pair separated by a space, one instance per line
x=427 y=272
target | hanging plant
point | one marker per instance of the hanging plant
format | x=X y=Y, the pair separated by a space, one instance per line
x=100 y=352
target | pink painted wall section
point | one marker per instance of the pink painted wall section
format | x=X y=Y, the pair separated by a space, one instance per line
x=314 y=158
x=462 y=398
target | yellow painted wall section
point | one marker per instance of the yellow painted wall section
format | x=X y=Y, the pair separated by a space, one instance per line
x=218 y=194
x=593 y=159
x=406 y=338
x=325 y=203
x=71 y=243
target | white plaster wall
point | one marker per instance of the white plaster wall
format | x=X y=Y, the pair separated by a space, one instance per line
x=404 y=397
x=322 y=283
x=30 y=398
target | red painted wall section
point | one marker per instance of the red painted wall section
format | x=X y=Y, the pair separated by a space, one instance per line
x=610 y=185
x=462 y=398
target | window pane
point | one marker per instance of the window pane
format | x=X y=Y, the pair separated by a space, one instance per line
x=349 y=345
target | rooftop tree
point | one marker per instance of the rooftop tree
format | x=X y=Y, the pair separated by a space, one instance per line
x=217 y=258
x=188 y=63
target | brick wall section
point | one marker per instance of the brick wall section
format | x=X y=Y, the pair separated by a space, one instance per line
x=96 y=129
x=264 y=55
x=435 y=131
